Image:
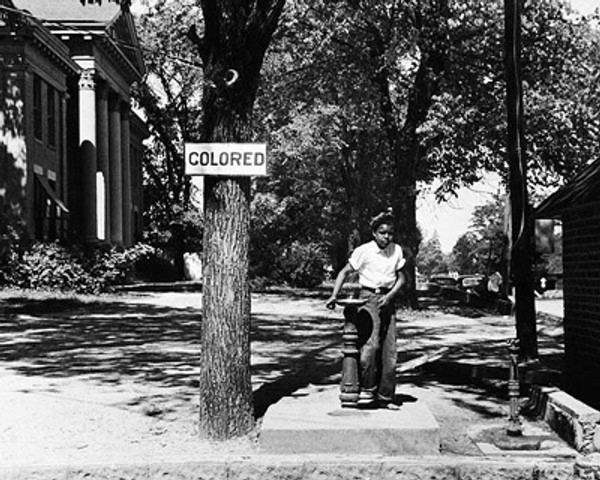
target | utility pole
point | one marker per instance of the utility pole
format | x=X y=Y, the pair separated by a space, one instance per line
x=521 y=276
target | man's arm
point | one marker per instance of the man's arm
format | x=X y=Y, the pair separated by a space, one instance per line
x=388 y=297
x=337 y=286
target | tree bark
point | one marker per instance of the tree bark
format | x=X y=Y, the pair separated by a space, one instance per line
x=406 y=154
x=403 y=139
x=225 y=385
x=235 y=38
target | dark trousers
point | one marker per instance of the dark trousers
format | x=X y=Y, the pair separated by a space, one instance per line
x=377 y=344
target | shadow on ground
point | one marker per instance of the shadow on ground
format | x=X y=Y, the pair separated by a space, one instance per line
x=110 y=340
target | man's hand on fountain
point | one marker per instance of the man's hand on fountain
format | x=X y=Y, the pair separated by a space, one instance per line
x=331 y=302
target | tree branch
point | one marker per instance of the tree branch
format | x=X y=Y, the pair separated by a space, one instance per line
x=263 y=19
x=200 y=42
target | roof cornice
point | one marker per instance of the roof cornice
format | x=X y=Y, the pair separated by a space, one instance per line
x=102 y=31
x=112 y=47
x=30 y=28
x=48 y=44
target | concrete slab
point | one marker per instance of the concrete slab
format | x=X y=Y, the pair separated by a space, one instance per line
x=312 y=421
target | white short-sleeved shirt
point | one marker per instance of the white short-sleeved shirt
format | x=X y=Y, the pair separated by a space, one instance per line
x=376 y=267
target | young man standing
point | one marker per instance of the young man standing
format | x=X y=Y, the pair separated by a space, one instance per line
x=378 y=263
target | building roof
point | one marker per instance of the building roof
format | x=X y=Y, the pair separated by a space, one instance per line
x=584 y=188
x=31 y=30
x=110 y=20
x=71 y=11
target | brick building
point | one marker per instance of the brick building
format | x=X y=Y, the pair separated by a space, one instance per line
x=70 y=145
x=578 y=205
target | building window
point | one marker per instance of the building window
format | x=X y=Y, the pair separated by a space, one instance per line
x=37 y=107
x=50 y=213
x=51 y=118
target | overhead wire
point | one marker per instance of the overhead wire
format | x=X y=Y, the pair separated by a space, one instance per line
x=515 y=20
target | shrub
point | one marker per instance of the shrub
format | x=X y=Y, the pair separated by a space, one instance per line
x=303 y=265
x=152 y=264
x=9 y=239
x=117 y=266
x=50 y=266
x=111 y=266
x=260 y=284
x=82 y=269
x=7 y=259
x=179 y=232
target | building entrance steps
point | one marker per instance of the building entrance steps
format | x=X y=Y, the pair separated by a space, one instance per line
x=311 y=420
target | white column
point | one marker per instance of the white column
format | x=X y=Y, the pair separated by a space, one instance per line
x=126 y=158
x=116 y=171
x=87 y=149
x=103 y=194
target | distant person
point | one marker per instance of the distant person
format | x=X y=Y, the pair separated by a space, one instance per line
x=378 y=263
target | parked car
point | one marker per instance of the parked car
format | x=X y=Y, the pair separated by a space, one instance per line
x=443 y=280
x=475 y=290
x=443 y=285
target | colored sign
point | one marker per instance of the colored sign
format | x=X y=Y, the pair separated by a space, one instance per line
x=226 y=159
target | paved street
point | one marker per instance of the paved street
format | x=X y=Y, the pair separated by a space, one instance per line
x=552 y=306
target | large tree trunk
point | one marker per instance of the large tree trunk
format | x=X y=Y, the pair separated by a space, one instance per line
x=225 y=388
x=236 y=36
x=404 y=148
x=356 y=173
x=404 y=140
x=405 y=213
x=406 y=153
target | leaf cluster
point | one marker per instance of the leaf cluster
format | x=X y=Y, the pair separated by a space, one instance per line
x=170 y=98
x=482 y=249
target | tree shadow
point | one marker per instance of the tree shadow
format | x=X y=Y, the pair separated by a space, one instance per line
x=298 y=351
x=105 y=340
x=112 y=342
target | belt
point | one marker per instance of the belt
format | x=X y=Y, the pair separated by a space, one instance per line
x=378 y=290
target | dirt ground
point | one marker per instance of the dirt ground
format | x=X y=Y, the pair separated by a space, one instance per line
x=114 y=379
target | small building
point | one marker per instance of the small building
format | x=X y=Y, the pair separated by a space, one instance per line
x=577 y=204
x=70 y=144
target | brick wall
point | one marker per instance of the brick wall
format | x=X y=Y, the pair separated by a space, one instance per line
x=581 y=262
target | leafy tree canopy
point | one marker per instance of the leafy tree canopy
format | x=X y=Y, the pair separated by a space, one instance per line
x=482 y=249
x=431 y=259
x=170 y=97
x=385 y=94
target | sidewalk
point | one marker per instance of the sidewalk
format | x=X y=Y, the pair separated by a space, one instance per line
x=86 y=386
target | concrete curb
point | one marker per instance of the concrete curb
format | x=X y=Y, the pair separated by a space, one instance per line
x=308 y=467
x=575 y=422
